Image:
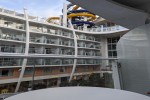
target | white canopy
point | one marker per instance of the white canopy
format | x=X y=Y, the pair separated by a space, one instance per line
x=78 y=93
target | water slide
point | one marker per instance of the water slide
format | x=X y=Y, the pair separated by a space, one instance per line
x=76 y=14
x=52 y=18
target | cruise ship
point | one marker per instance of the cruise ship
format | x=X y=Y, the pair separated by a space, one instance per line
x=51 y=51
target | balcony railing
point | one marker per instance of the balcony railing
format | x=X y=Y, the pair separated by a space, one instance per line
x=35 y=51
x=51 y=51
x=52 y=41
x=52 y=62
x=107 y=29
x=10 y=49
x=10 y=62
x=12 y=37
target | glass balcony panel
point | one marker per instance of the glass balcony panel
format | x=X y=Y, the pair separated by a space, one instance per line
x=35 y=51
x=34 y=62
x=52 y=62
x=11 y=49
x=10 y=62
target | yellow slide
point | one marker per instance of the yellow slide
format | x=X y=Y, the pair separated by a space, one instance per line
x=52 y=18
x=92 y=17
x=75 y=8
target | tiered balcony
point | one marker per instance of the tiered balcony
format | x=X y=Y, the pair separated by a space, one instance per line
x=67 y=61
x=52 y=41
x=11 y=23
x=52 y=61
x=36 y=39
x=11 y=49
x=12 y=36
x=35 y=50
x=36 y=29
x=60 y=62
x=10 y=62
x=63 y=51
x=88 y=53
x=31 y=62
x=51 y=50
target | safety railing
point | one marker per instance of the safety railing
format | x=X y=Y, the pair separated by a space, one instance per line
x=11 y=49
x=12 y=37
x=11 y=12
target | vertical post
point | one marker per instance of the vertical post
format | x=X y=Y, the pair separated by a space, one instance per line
x=60 y=20
x=85 y=25
x=58 y=81
x=76 y=51
x=104 y=51
x=32 y=86
x=115 y=75
x=65 y=15
x=26 y=52
x=102 y=28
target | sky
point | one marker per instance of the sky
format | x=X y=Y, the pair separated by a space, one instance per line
x=41 y=8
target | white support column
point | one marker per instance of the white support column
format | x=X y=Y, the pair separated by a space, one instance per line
x=76 y=51
x=65 y=15
x=85 y=25
x=26 y=52
x=2 y=21
x=104 y=52
x=58 y=81
x=102 y=28
x=60 y=20
x=115 y=75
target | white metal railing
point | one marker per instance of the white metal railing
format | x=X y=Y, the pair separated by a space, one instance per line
x=11 y=12
x=107 y=29
x=10 y=62
x=12 y=37
x=35 y=51
x=11 y=49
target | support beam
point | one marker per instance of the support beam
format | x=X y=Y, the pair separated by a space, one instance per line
x=26 y=52
x=76 y=51
x=115 y=75
x=65 y=15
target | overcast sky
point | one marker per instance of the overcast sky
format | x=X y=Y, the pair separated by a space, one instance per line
x=42 y=8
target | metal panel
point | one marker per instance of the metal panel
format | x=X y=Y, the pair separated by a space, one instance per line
x=134 y=54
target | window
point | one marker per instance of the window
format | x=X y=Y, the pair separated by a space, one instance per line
x=47 y=70
x=109 y=47
x=64 y=79
x=109 y=40
x=112 y=42
x=28 y=71
x=48 y=50
x=114 y=53
x=62 y=69
x=8 y=62
x=113 y=46
x=6 y=72
x=86 y=68
x=94 y=68
x=110 y=53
